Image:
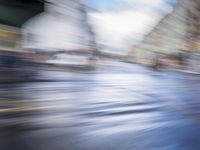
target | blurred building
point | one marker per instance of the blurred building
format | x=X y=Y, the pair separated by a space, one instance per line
x=62 y=26
x=167 y=38
x=193 y=37
x=176 y=36
x=13 y=14
x=10 y=37
x=45 y=25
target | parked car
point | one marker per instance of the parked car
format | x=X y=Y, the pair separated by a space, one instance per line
x=71 y=60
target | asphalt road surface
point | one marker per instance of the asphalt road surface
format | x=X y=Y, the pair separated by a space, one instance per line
x=117 y=106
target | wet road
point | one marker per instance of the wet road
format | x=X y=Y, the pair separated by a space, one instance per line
x=119 y=106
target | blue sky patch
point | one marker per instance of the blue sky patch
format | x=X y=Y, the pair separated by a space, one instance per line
x=115 y=4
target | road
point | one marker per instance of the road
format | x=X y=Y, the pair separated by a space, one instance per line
x=117 y=106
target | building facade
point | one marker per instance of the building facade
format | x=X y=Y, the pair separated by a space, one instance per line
x=168 y=37
x=13 y=14
x=62 y=26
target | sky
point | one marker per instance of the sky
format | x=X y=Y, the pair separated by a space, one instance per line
x=119 y=24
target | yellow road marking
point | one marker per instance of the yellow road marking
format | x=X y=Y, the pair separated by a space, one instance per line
x=35 y=108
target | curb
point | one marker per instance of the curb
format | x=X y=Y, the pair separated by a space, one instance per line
x=188 y=71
